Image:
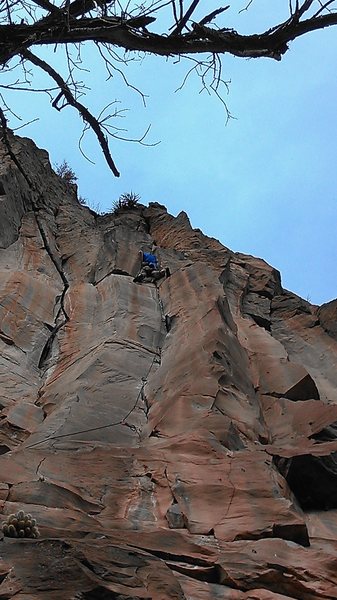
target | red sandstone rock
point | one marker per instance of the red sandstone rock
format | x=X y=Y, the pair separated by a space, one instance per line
x=327 y=315
x=176 y=441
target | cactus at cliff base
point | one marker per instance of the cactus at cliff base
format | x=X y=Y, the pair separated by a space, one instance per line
x=20 y=525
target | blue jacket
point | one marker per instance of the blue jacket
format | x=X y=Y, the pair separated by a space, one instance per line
x=150 y=259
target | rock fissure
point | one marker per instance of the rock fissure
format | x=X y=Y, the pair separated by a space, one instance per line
x=122 y=421
x=62 y=313
x=113 y=272
x=48 y=344
x=47 y=349
x=145 y=402
x=207 y=569
x=134 y=345
x=232 y=493
x=39 y=466
x=10 y=342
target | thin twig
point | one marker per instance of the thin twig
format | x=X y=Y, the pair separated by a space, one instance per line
x=213 y=14
x=246 y=7
x=48 y=6
x=302 y=9
x=83 y=111
x=185 y=18
x=109 y=65
x=323 y=7
x=25 y=124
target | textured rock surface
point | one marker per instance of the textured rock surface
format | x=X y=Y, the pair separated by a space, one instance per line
x=175 y=441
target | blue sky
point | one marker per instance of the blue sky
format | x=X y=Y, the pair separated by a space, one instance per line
x=264 y=184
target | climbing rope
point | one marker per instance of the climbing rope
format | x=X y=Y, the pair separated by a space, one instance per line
x=120 y=422
x=139 y=395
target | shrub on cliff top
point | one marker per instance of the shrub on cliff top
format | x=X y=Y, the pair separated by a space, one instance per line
x=64 y=171
x=124 y=202
x=68 y=175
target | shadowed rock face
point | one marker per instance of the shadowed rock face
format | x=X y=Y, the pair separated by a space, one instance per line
x=175 y=441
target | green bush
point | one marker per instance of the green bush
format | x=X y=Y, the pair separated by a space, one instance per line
x=66 y=172
x=125 y=201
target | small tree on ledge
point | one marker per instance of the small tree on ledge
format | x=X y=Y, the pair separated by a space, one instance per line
x=125 y=202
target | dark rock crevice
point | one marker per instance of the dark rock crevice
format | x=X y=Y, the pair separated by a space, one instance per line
x=257 y=307
x=198 y=568
x=112 y=272
x=62 y=317
x=312 y=480
x=9 y=341
x=296 y=533
x=101 y=593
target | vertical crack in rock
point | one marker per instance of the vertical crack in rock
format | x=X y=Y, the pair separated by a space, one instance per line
x=233 y=491
x=157 y=358
x=62 y=317
x=40 y=476
x=145 y=401
x=140 y=396
x=174 y=515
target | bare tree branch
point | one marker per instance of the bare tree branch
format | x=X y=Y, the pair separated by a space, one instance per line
x=185 y=18
x=46 y=5
x=110 y=30
x=82 y=7
x=304 y=8
x=110 y=67
x=175 y=14
x=323 y=7
x=117 y=26
x=246 y=7
x=212 y=15
x=84 y=112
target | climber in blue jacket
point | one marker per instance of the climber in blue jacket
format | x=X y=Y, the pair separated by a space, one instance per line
x=149 y=268
x=148 y=259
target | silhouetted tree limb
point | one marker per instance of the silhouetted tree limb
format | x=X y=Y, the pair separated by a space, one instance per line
x=272 y=43
x=26 y=24
x=48 y=6
x=69 y=97
x=208 y=18
x=185 y=18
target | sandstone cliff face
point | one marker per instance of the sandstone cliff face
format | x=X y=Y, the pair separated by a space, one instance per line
x=175 y=441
